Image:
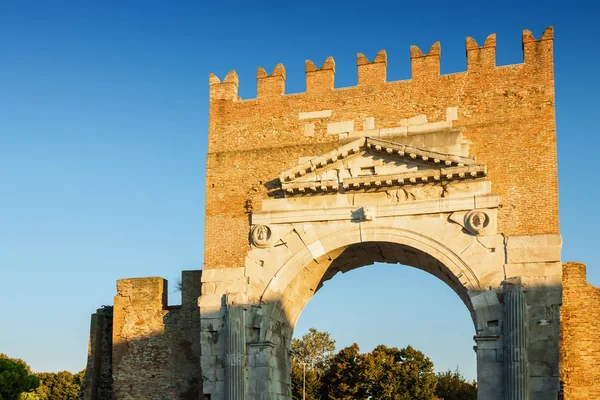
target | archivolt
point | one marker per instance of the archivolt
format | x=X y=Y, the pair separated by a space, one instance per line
x=299 y=277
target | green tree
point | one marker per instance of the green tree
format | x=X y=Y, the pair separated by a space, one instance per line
x=405 y=374
x=59 y=386
x=342 y=380
x=312 y=386
x=314 y=348
x=451 y=385
x=310 y=357
x=29 y=396
x=15 y=378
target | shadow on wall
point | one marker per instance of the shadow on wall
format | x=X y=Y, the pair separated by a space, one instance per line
x=579 y=335
x=154 y=351
x=151 y=349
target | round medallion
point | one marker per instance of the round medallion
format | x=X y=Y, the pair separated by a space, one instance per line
x=261 y=236
x=477 y=221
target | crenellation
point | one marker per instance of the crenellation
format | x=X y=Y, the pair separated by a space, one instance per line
x=152 y=291
x=372 y=73
x=153 y=345
x=191 y=288
x=320 y=80
x=538 y=53
x=226 y=90
x=481 y=59
x=271 y=85
x=425 y=66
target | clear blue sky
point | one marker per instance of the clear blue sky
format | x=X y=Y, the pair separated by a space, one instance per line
x=103 y=124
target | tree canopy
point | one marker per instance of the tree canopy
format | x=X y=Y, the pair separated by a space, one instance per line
x=451 y=385
x=386 y=373
x=15 y=378
x=59 y=386
x=314 y=348
x=310 y=358
x=17 y=382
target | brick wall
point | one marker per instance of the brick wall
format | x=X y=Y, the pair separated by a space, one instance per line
x=507 y=112
x=580 y=335
x=156 y=349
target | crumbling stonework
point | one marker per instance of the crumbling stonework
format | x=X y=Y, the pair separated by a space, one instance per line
x=97 y=381
x=453 y=174
x=580 y=335
x=156 y=354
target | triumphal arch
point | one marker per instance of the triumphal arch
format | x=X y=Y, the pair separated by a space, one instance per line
x=453 y=174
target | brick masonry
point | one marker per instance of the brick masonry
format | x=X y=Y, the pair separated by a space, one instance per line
x=580 y=335
x=504 y=111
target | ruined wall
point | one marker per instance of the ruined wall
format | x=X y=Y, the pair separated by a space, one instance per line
x=156 y=348
x=97 y=382
x=506 y=112
x=580 y=335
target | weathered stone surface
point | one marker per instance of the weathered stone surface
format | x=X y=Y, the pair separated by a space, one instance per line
x=314 y=114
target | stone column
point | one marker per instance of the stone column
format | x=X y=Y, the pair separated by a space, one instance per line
x=259 y=370
x=235 y=379
x=489 y=367
x=516 y=373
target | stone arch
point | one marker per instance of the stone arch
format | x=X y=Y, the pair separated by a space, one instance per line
x=302 y=255
x=302 y=275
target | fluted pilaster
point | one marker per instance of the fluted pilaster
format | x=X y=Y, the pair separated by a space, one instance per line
x=235 y=380
x=516 y=374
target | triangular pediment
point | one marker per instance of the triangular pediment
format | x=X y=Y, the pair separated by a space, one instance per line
x=370 y=163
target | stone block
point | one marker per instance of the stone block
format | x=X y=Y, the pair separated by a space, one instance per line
x=547 y=296
x=335 y=128
x=451 y=113
x=533 y=241
x=540 y=282
x=544 y=368
x=222 y=274
x=309 y=130
x=548 y=385
x=430 y=127
x=293 y=242
x=210 y=301
x=474 y=253
x=492 y=242
x=397 y=131
x=533 y=255
x=484 y=299
x=210 y=325
x=532 y=269
x=256 y=272
x=418 y=120
x=314 y=114
x=239 y=286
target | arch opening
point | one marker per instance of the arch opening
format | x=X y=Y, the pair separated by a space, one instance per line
x=305 y=256
x=312 y=277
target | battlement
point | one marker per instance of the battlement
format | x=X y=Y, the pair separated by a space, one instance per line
x=153 y=292
x=480 y=60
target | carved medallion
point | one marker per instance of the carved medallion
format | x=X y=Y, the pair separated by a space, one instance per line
x=477 y=221
x=261 y=236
